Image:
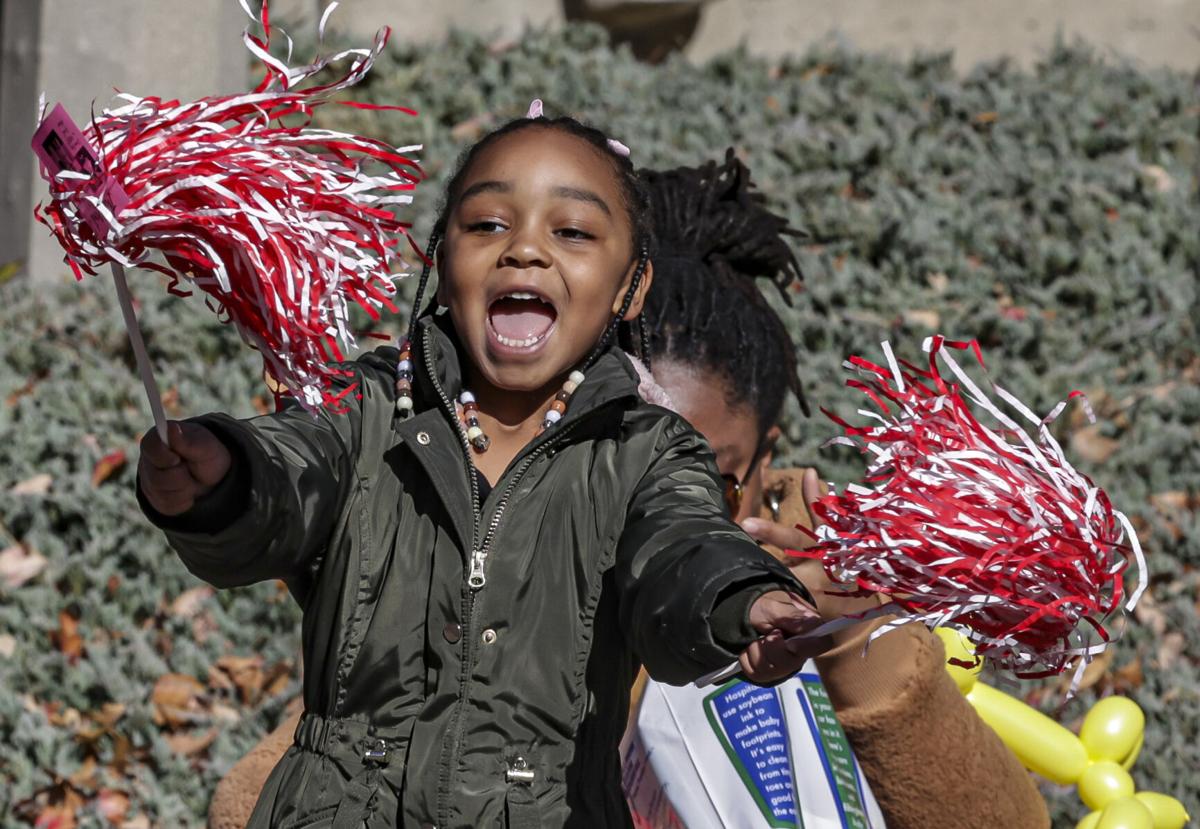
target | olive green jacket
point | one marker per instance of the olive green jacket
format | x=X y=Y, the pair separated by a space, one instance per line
x=468 y=664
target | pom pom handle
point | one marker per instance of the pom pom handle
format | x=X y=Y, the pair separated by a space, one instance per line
x=139 y=350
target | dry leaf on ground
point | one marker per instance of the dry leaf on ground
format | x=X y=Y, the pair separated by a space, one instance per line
x=37 y=485
x=109 y=465
x=1092 y=446
x=19 y=564
x=179 y=700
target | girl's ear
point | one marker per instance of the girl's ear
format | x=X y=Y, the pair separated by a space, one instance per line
x=639 y=296
x=768 y=455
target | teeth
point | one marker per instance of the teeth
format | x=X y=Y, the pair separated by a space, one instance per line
x=524 y=295
x=511 y=343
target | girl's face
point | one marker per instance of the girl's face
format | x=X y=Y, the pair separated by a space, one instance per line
x=537 y=258
x=743 y=455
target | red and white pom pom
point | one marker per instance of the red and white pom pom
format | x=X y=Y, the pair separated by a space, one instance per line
x=987 y=530
x=282 y=225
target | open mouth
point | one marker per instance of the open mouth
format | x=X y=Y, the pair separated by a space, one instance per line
x=520 y=320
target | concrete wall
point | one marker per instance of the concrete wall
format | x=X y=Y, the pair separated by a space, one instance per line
x=76 y=51
x=81 y=51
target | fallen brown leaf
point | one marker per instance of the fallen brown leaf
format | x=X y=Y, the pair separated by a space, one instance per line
x=85 y=776
x=277 y=678
x=225 y=714
x=189 y=744
x=178 y=700
x=109 y=465
x=1170 y=649
x=1148 y=613
x=1092 y=674
x=19 y=564
x=1162 y=180
x=929 y=320
x=1171 y=501
x=67 y=638
x=1129 y=676
x=1092 y=446
x=188 y=603
x=246 y=673
x=37 y=485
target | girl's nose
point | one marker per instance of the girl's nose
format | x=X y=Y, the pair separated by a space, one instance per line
x=525 y=250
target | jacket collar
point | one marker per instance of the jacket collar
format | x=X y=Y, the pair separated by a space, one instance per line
x=612 y=378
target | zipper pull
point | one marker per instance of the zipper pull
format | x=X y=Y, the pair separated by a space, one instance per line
x=476 y=580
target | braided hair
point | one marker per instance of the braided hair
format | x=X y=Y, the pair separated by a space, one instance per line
x=629 y=335
x=715 y=237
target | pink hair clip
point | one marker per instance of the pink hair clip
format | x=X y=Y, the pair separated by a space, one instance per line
x=535 y=111
x=618 y=148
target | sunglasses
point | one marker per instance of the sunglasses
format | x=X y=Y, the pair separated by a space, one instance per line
x=735 y=488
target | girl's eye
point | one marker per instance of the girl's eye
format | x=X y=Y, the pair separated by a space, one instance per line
x=575 y=234
x=485 y=226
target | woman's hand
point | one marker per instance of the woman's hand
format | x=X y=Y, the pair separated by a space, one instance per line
x=831 y=602
x=779 y=615
x=174 y=475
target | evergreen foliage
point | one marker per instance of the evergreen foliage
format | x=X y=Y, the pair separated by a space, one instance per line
x=1052 y=214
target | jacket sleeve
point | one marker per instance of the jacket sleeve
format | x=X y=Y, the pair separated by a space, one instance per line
x=297 y=470
x=679 y=555
x=919 y=742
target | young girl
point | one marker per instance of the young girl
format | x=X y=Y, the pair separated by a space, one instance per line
x=725 y=359
x=499 y=529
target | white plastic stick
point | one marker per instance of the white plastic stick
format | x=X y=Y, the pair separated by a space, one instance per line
x=833 y=625
x=139 y=351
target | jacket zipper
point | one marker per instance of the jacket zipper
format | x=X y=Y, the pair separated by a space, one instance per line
x=480 y=549
x=468 y=602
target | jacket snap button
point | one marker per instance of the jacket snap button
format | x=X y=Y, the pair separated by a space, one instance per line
x=423 y=438
x=489 y=637
x=452 y=631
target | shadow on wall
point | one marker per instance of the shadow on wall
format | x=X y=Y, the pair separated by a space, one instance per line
x=653 y=29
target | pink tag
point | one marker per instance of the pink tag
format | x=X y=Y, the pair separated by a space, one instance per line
x=61 y=145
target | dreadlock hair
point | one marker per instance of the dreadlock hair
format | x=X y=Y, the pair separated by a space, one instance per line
x=715 y=237
x=629 y=336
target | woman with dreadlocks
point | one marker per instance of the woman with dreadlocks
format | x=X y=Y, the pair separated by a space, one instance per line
x=497 y=531
x=724 y=359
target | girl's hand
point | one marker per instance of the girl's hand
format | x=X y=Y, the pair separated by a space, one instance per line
x=174 y=475
x=831 y=601
x=779 y=615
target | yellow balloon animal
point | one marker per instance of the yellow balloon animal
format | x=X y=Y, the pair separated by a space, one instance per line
x=1097 y=761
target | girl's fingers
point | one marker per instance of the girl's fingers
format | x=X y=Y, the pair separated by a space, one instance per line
x=176 y=479
x=779 y=610
x=156 y=453
x=171 y=503
x=770 y=659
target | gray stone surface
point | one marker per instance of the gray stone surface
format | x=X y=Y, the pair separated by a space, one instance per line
x=86 y=48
